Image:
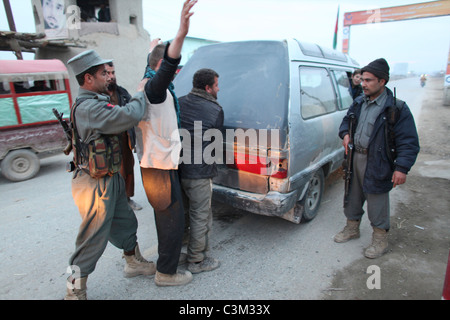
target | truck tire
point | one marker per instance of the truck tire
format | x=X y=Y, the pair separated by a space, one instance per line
x=20 y=165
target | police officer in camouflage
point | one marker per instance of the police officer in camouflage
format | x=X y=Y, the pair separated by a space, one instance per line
x=98 y=189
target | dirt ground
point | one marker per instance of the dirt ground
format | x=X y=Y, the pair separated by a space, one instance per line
x=414 y=268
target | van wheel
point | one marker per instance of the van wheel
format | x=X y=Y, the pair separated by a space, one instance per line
x=311 y=200
x=19 y=165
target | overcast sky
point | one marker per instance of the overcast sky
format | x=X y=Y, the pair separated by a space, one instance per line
x=423 y=43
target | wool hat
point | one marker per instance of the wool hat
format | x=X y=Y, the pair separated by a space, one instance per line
x=85 y=60
x=379 y=68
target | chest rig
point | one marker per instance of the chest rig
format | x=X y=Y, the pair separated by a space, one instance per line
x=99 y=157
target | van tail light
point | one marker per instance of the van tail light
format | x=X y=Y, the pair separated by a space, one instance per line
x=273 y=166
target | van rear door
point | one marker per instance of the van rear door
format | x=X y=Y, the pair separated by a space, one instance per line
x=254 y=95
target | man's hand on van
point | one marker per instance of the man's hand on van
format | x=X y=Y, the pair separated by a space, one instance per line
x=345 y=142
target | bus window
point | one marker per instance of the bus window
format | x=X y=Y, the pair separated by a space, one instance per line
x=40 y=85
x=4 y=88
x=21 y=87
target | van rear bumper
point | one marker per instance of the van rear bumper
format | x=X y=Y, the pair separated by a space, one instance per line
x=270 y=204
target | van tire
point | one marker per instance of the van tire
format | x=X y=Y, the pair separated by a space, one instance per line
x=313 y=196
x=20 y=165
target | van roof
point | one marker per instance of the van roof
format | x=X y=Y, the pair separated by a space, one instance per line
x=301 y=51
x=21 y=70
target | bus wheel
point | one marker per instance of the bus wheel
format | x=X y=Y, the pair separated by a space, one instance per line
x=19 y=165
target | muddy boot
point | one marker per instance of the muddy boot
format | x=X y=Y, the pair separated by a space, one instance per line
x=207 y=264
x=136 y=264
x=350 y=231
x=76 y=289
x=177 y=279
x=379 y=244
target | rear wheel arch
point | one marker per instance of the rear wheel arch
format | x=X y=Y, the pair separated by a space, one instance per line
x=308 y=207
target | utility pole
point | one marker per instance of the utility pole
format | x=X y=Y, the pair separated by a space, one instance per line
x=12 y=27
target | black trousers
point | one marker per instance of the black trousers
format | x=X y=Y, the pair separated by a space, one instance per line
x=163 y=191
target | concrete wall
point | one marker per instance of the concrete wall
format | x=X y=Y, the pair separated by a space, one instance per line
x=129 y=48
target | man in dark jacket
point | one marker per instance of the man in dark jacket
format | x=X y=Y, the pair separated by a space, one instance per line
x=200 y=112
x=120 y=96
x=373 y=174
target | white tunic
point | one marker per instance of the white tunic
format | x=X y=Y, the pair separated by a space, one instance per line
x=158 y=142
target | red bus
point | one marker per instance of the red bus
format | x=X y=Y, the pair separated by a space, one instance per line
x=29 y=90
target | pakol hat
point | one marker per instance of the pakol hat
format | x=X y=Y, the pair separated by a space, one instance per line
x=379 y=68
x=85 y=60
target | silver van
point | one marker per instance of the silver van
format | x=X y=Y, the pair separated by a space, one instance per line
x=292 y=97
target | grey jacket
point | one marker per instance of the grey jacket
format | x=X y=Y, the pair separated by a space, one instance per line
x=96 y=116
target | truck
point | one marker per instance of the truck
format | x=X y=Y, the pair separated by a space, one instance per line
x=29 y=130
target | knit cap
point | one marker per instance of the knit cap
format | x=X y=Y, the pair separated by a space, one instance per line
x=379 y=68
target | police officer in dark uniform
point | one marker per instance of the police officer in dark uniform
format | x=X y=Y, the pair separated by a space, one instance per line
x=376 y=169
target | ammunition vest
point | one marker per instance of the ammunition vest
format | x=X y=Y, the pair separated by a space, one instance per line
x=99 y=157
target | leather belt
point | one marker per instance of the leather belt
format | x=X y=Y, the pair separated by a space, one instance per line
x=360 y=150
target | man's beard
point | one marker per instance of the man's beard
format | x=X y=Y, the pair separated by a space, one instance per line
x=112 y=86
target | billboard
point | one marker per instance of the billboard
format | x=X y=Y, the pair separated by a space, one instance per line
x=407 y=12
x=413 y=11
x=53 y=12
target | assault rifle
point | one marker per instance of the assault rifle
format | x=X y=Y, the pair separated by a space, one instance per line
x=348 y=158
x=66 y=129
x=392 y=114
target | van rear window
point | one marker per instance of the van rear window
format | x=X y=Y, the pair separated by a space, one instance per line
x=253 y=81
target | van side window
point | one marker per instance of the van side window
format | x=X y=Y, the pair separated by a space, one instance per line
x=343 y=87
x=317 y=95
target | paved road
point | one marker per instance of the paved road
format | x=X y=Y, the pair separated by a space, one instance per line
x=262 y=257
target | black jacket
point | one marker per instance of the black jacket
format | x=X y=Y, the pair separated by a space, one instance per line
x=377 y=178
x=124 y=97
x=356 y=91
x=195 y=108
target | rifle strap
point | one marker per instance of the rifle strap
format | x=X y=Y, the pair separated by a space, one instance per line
x=392 y=114
x=75 y=137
